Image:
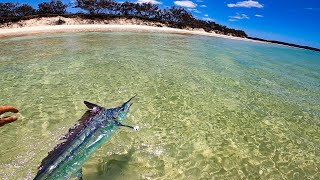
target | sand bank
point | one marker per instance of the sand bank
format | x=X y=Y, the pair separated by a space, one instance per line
x=49 y=25
x=106 y=28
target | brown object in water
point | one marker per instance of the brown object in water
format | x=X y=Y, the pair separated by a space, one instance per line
x=6 y=120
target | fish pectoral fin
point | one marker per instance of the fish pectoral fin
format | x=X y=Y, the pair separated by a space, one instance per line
x=79 y=174
x=117 y=123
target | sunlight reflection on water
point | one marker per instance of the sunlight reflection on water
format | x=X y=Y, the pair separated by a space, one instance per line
x=206 y=107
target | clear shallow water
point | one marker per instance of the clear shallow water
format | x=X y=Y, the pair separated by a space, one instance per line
x=207 y=108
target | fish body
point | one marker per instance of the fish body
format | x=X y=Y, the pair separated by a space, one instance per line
x=94 y=128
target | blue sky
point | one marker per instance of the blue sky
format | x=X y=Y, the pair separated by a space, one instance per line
x=292 y=21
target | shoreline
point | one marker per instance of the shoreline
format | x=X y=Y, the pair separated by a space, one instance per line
x=60 y=24
x=49 y=25
x=51 y=29
x=33 y=30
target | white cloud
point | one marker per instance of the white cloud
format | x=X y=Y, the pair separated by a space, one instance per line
x=188 y=4
x=206 y=15
x=149 y=1
x=207 y=19
x=238 y=17
x=194 y=10
x=258 y=15
x=246 y=4
x=197 y=11
x=203 y=6
x=233 y=20
x=310 y=8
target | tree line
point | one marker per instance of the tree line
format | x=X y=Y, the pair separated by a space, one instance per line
x=174 y=16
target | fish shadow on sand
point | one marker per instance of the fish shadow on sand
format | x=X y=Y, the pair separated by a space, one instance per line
x=112 y=167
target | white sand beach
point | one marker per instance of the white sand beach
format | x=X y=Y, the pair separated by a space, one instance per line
x=49 y=25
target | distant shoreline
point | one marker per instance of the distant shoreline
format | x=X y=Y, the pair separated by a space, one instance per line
x=60 y=24
x=30 y=30
x=51 y=25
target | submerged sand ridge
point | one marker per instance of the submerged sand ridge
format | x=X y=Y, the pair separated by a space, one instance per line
x=50 y=25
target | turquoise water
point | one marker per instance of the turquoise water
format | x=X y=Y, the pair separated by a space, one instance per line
x=207 y=107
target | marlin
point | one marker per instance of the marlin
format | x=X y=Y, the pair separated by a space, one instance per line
x=97 y=125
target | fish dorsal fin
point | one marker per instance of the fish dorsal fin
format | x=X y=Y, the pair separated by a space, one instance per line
x=91 y=105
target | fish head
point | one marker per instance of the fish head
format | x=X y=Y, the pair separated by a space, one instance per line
x=122 y=111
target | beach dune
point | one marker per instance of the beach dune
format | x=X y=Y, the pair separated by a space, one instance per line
x=51 y=25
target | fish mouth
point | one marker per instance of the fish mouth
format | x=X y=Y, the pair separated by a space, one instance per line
x=126 y=106
x=130 y=99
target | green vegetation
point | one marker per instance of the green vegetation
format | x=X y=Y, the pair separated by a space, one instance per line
x=175 y=17
x=9 y=10
x=52 y=7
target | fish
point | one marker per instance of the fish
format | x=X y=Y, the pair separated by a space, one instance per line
x=94 y=128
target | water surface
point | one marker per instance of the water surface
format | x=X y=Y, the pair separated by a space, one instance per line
x=207 y=107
